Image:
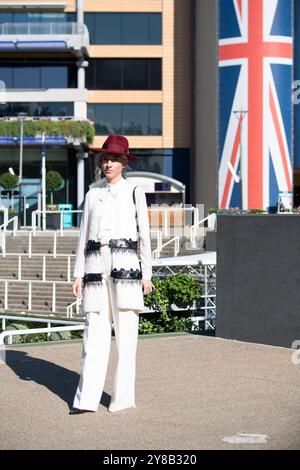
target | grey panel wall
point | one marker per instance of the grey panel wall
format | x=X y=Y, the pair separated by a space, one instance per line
x=258 y=278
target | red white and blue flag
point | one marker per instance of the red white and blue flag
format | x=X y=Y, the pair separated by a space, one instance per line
x=255 y=107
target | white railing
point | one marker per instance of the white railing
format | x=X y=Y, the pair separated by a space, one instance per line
x=175 y=240
x=70 y=307
x=179 y=220
x=211 y=221
x=30 y=331
x=3 y=229
x=39 y=213
x=33 y=320
x=159 y=241
x=29 y=298
x=44 y=264
x=43 y=28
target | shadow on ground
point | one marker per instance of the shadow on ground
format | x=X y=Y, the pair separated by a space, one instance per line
x=59 y=380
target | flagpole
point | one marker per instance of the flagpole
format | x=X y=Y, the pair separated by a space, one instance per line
x=240 y=115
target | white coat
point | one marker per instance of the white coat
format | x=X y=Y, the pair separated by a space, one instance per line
x=110 y=213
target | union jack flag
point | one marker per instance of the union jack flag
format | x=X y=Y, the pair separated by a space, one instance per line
x=255 y=109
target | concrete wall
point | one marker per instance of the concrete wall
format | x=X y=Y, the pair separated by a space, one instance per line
x=204 y=155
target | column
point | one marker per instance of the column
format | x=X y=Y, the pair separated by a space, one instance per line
x=80 y=181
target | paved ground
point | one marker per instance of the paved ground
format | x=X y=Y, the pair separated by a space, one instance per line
x=192 y=393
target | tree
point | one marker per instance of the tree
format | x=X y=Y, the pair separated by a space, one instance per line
x=53 y=182
x=9 y=181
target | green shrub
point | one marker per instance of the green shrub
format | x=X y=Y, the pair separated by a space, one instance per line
x=75 y=129
x=8 y=181
x=183 y=290
x=180 y=289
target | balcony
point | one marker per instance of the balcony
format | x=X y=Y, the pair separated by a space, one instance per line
x=61 y=130
x=45 y=94
x=46 y=37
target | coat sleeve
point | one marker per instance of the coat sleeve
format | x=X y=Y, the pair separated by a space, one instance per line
x=144 y=234
x=82 y=240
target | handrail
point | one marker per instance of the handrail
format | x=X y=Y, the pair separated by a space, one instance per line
x=176 y=239
x=4 y=317
x=167 y=210
x=61 y=229
x=76 y=303
x=159 y=240
x=29 y=282
x=3 y=228
x=211 y=218
x=30 y=331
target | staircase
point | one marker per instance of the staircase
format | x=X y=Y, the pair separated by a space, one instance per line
x=55 y=272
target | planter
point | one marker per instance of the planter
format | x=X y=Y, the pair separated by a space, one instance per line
x=258 y=293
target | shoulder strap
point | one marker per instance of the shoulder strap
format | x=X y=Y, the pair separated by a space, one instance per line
x=134 y=202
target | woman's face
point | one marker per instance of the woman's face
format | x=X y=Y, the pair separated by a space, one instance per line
x=112 y=165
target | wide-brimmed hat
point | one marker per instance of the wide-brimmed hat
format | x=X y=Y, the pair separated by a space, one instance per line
x=116 y=145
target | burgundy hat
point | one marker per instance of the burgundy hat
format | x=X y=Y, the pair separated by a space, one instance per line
x=117 y=145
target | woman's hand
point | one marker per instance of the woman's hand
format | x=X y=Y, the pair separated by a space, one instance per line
x=147 y=286
x=77 y=287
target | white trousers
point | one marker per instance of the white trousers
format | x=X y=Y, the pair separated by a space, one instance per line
x=95 y=356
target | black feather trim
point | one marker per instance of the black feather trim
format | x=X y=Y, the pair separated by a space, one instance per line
x=92 y=279
x=126 y=274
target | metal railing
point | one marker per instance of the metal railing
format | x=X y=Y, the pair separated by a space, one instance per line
x=159 y=241
x=30 y=331
x=167 y=211
x=176 y=240
x=29 y=299
x=3 y=229
x=31 y=320
x=76 y=304
x=39 y=213
x=52 y=29
x=211 y=221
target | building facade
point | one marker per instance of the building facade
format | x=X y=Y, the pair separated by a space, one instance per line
x=125 y=65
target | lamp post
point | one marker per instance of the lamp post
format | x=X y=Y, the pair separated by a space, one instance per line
x=43 y=183
x=21 y=118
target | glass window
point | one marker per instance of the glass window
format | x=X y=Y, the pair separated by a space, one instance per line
x=35 y=76
x=37 y=109
x=128 y=119
x=155 y=66
x=108 y=28
x=135 y=28
x=124 y=74
x=33 y=17
x=124 y=28
x=90 y=80
x=135 y=119
x=155 y=28
x=27 y=77
x=135 y=74
x=6 y=75
x=155 y=120
x=6 y=18
x=108 y=74
x=89 y=20
x=54 y=77
x=107 y=118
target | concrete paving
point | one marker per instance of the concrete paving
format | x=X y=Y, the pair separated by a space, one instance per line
x=193 y=392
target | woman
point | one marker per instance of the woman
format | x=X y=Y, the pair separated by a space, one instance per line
x=110 y=279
